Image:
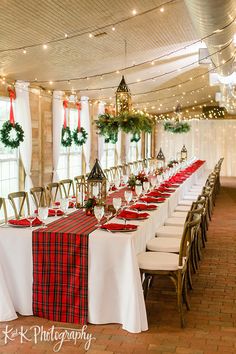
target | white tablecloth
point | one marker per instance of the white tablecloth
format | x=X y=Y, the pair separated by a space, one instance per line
x=114 y=291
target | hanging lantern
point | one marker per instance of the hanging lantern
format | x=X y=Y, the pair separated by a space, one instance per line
x=184 y=153
x=160 y=159
x=123 y=97
x=97 y=183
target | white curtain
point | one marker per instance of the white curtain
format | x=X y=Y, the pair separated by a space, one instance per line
x=139 y=146
x=57 y=116
x=101 y=140
x=23 y=116
x=207 y=140
x=85 y=123
x=127 y=146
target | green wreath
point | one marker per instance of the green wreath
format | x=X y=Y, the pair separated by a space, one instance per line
x=135 y=138
x=66 y=138
x=79 y=141
x=177 y=127
x=5 y=132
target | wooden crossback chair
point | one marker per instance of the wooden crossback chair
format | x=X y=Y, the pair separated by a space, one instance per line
x=173 y=266
x=67 y=188
x=52 y=190
x=3 y=206
x=39 y=196
x=23 y=201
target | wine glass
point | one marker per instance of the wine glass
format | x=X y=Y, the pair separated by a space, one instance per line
x=98 y=212
x=31 y=218
x=117 y=183
x=146 y=186
x=128 y=196
x=43 y=215
x=64 y=206
x=125 y=179
x=138 y=189
x=153 y=181
x=116 y=204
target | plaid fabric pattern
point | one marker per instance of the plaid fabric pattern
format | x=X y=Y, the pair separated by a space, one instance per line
x=60 y=269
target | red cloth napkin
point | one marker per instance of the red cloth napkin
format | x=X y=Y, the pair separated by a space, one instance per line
x=53 y=212
x=152 y=200
x=126 y=214
x=116 y=227
x=143 y=206
x=71 y=205
x=24 y=222
x=156 y=193
x=57 y=203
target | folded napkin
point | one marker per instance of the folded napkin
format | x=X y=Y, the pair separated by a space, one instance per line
x=139 y=206
x=71 y=205
x=126 y=214
x=24 y=222
x=156 y=193
x=53 y=212
x=152 y=200
x=117 y=227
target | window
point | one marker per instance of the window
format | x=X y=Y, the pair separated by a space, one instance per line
x=70 y=161
x=148 y=148
x=133 y=152
x=109 y=155
x=9 y=159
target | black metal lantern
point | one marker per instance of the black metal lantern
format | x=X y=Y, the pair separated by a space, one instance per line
x=97 y=183
x=123 y=97
x=160 y=159
x=184 y=153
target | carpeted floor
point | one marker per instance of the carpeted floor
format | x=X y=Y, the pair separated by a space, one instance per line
x=210 y=325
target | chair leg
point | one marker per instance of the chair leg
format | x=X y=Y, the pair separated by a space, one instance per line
x=185 y=292
x=189 y=276
x=146 y=283
x=180 y=299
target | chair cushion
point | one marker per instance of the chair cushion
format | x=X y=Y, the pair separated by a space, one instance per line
x=190 y=197
x=170 y=231
x=164 y=244
x=175 y=221
x=179 y=214
x=183 y=208
x=185 y=202
x=158 y=261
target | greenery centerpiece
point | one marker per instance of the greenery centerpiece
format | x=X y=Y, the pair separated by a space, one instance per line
x=108 y=127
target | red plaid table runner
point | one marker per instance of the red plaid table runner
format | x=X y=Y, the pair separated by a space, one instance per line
x=60 y=269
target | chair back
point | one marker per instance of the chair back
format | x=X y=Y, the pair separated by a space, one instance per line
x=52 y=190
x=39 y=196
x=19 y=201
x=3 y=206
x=67 y=188
x=80 y=179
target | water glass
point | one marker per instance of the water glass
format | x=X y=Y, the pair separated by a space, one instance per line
x=43 y=215
x=146 y=186
x=64 y=204
x=31 y=218
x=116 y=203
x=98 y=212
x=128 y=196
x=153 y=181
x=138 y=189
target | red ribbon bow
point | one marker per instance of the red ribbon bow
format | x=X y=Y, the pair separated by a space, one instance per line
x=78 y=106
x=65 y=105
x=12 y=95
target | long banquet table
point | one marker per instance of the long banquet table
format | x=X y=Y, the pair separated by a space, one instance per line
x=114 y=285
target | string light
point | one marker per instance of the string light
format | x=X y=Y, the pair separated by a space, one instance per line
x=45 y=46
x=162 y=9
x=24 y=51
x=134 y=12
x=90 y=35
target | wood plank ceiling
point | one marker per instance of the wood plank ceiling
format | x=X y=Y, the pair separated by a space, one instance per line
x=150 y=35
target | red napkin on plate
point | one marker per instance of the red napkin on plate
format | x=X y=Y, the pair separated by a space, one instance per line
x=139 y=206
x=53 y=212
x=152 y=200
x=117 y=227
x=158 y=194
x=71 y=205
x=126 y=214
x=24 y=222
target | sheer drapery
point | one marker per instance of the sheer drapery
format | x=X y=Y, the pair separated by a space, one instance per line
x=139 y=147
x=57 y=116
x=23 y=116
x=208 y=140
x=85 y=123
x=118 y=148
x=127 y=146
x=101 y=140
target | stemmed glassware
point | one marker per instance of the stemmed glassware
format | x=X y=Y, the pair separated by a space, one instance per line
x=31 y=218
x=116 y=204
x=125 y=179
x=153 y=181
x=43 y=215
x=117 y=183
x=128 y=196
x=138 y=190
x=146 y=186
x=64 y=204
x=98 y=212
